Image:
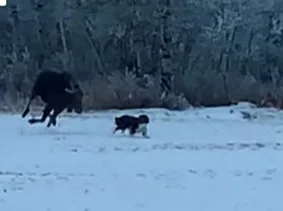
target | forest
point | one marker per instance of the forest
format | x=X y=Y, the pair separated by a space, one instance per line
x=143 y=53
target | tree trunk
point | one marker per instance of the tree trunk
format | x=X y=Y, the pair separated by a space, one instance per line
x=166 y=76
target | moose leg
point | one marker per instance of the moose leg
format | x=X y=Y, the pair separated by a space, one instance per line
x=27 y=109
x=69 y=109
x=45 y=114
x=53 y=117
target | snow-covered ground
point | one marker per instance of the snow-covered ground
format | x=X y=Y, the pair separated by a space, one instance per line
x=197 y=160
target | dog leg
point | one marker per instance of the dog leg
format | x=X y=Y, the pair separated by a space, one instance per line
x=144 y=133
x=143 y=130
x=119 y=128
x=132 y=131
x=114 y=131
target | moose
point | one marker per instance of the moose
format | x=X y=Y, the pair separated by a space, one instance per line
x=59 y=91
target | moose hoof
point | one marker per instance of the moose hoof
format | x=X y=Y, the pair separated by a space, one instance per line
x=25 y=113
x=51 y=122
x=32 y=121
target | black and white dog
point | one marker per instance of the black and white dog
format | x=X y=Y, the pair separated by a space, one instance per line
x=133 y=124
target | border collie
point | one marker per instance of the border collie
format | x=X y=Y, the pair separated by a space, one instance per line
x=133 y=124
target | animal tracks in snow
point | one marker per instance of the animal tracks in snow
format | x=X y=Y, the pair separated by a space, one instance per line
x=178 y=147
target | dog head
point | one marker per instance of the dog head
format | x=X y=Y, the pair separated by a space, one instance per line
x=143 y=119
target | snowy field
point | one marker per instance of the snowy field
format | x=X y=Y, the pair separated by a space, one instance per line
x=208 y=159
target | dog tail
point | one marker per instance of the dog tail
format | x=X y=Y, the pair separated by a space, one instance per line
x=117 y=120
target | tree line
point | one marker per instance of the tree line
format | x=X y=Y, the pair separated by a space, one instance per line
x=144 y=53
